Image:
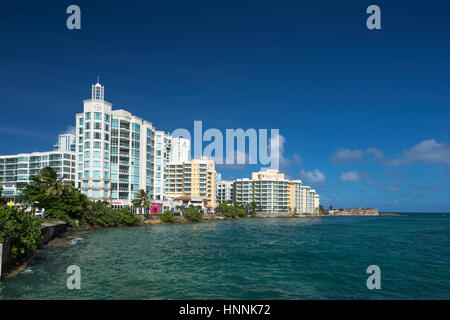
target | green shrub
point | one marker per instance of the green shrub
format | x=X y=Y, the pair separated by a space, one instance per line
x=230 y=211
x=100 y=214
x=58 y=214
x=241 y=212
x=21 y=228
x=126 y=217
x=194 y=213
x=167 y=216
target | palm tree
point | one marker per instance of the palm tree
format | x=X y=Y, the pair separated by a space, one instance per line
x=247 y=207
x=49 y=180
x=180 y=209
x=142 y=200
x=2 y=200
x=254 y=206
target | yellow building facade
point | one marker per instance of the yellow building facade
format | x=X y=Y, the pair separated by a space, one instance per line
x=192 y=178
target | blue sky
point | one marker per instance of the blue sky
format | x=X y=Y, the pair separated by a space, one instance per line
x=364 y=114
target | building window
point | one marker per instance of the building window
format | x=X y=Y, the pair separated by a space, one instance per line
x=87 y=116
x=97 y=116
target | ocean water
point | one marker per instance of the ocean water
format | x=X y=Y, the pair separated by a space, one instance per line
x=278 y=258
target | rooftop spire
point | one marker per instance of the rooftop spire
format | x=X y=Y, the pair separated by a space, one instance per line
x=98 y=90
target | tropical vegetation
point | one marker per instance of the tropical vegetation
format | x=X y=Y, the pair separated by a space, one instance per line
x=142 y=200
x=63 y=201
x=167 y=216
x=193 y=214
x=20 y=228
x=231 y=211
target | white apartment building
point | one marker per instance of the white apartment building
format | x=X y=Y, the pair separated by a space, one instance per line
x=162 y=147
x=118 y=153
x=224 y=191
x=180 y=150
x=15 y=170
x=274 y=194
x=66 y=142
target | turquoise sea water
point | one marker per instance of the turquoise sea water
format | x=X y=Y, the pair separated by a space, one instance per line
x=281 y=258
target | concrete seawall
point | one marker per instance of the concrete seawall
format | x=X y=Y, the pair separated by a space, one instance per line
x=49 y=230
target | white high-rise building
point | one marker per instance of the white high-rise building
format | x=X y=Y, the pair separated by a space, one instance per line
x=224 y=191
x=180 y=150
x=15 y=170
x=272 y=192
x=66 y=142
x=118 y=153
x=162 y=147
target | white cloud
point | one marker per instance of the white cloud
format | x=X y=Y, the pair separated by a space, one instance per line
x=278 y=141
x=283 y=160
x=377 y=154
x=344 y=154
x=315 y=176
x=427 y=151
x=70 y=129
x=388 y=188
x=353 y=176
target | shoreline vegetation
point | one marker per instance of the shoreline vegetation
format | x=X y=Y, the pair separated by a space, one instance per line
x=21 y=228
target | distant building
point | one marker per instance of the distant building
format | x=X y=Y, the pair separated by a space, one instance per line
x=272 y=193
x=66 y=142
x=15 y=170
x=187 y=201
x=224 y=191
x=193 y=178
x=179 y=150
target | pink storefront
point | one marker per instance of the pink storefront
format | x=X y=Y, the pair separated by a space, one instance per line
x=156 y=208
